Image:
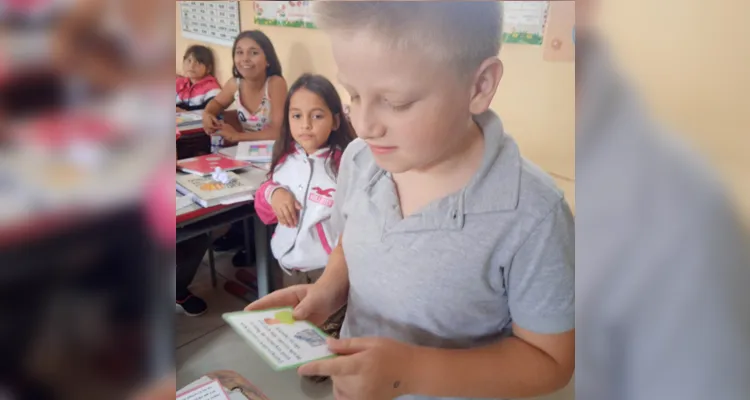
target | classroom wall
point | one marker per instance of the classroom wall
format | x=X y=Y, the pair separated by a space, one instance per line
x=536 y=99
x=689 y=59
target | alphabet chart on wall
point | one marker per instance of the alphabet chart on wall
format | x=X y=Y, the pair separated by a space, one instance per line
x=216 y=22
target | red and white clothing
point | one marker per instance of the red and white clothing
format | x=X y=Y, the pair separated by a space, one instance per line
x=195 y=96
x=305 y=247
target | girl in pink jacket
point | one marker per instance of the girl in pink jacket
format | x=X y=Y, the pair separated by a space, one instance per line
x=301 y=184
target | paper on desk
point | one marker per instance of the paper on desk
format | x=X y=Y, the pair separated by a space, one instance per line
x=281 y=340
x=237 y=199
x=182 y=201
x=232 y=152
x=194 y=384
x=207 y=391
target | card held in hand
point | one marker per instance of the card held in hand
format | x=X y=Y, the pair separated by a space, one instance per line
x=281 y=340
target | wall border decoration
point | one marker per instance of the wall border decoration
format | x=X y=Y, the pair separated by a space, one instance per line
x=291 y=14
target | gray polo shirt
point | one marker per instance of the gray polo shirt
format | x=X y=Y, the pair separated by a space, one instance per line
x=458 y=273
x=663 y=277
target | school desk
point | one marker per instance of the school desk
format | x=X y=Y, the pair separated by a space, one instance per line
x=224 y=349
x=194 y=221
x=195 y=142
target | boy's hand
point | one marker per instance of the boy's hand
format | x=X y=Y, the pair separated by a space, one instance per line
x=179 y=109
x=310 y=303
x=210 y=123
x=367 y=368
x=286 y=207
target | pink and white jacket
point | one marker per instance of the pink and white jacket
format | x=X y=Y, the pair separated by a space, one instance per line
x=305 y=247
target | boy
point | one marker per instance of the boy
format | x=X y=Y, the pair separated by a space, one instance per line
x=456 y=259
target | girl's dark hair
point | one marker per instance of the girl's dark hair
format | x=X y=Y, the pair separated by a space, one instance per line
x=339 y=138
x=274 y=66
x=203 y=55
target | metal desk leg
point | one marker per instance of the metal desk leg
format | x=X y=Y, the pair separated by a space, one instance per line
x=212 y=264
x=262 y=265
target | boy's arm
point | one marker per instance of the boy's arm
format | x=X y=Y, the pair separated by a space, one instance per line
x=537 y=359
x=540 y=355
x=525 y=365
x=336 y=274
x=335 y=278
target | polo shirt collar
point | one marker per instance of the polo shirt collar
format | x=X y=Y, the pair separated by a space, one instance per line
x=494 y=187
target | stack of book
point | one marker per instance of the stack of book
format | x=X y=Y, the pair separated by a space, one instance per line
x=208 y=192
x=189 y=120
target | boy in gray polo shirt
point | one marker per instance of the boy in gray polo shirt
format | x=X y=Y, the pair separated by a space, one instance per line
x=456 y=255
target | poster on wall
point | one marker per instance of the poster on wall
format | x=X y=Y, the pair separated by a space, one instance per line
x=523 y=21
x=295 y=14
x=216 y=22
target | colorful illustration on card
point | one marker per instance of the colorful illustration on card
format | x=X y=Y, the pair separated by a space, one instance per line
x=311 y=337
x=282 y=341
x=281 y=317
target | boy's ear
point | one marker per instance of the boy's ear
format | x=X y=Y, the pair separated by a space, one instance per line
x=484 y=85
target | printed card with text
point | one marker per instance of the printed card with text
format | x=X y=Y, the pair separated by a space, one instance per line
x=209 y=390
x=281 y=340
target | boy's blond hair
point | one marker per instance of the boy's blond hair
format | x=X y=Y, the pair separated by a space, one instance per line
x=459 y=33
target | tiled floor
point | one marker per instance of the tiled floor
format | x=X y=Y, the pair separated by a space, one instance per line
x=207 y=344
x=189 y=329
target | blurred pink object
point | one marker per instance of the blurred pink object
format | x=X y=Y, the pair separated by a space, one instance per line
x=26 y=6
x=159 y=203
x=60 y=130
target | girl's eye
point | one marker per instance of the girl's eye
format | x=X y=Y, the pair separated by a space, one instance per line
x=296 y=116
x=255 y=53
x=318 y=116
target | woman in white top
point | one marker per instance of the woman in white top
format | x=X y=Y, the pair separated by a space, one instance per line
x=258 y=88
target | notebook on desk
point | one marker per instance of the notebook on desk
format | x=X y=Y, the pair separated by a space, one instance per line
x=231 y=152
x=189 y=120
x=257 y=151
x=209 y=389
x=221 y=385
x=207 y=164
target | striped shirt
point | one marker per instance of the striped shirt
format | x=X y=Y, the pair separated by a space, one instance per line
x=196 y=96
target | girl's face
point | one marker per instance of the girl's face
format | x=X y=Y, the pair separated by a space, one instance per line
x=250 y=59
x=193 y=69
x=310 y=120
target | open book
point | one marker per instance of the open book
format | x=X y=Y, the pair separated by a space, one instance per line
x=257 y=151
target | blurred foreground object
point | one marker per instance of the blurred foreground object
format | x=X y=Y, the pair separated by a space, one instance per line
x=86 y=252
x=662 y=268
